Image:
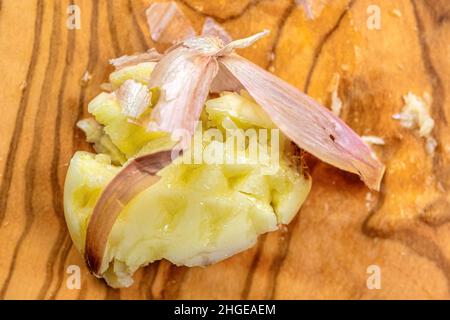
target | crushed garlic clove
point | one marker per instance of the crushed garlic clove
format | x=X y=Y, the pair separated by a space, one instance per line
x=416 y=115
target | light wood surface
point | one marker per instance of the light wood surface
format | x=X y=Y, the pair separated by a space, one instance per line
x=341 y=230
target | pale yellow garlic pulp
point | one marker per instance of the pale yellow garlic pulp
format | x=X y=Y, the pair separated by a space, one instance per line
x=197 y=214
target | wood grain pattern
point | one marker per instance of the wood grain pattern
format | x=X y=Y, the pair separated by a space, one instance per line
x=325 y=251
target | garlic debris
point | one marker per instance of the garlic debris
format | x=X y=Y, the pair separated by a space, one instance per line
x=134 y=98
x=86 y=78
x=416 y=115
x=127 y=61
x=102 y=143
x=336 y=102
x=168 y=24
x=373 y=140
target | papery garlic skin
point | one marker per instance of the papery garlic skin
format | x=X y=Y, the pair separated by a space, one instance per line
x=308 y=124
x=167 y=23
x=134 y=98
x=129 y=61
x=212 y=28
x=184 y=78
x=197 y=65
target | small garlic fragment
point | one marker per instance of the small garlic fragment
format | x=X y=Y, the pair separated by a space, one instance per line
x=397 y=12
x=134 y=98
x=23 y=85
x=336 y=102
x=168 y=24
x=373 y=140
x=102 y=143
x=369 y=200
x=127 y=61
x=416 y=114
x=307 y=6
x=106 y=86
x=212 y=28
x=430 y=145
x=86 y=78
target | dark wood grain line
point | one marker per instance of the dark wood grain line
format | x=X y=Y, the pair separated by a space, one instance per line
x=150 y=272
x=33 y=159
x=438 y=94
x=284 y=18
x=113 y=28
x=83 y=292
x=434 y=78
x=235 y=16
x=427 y=248
x=435 y=7
x=58 y=198
x=323 y=41
x=91 y=64
x=65 y=250
x=278 y=262
x=112 y=294
x=18 y=126
x=421 y=245
x=256 y=258
x=57 y=193
x=175 y=279
x=251 y=271
x=283 y=249
x=141 y=35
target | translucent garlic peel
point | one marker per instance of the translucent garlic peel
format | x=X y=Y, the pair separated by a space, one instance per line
x=184 y=79
x=167 y=23
x=128 y=61
x=212 y=28
x=134 y=98
x=307 y=123
x=311 y=126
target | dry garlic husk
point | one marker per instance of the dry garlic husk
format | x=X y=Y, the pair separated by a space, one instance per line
x=200 y=60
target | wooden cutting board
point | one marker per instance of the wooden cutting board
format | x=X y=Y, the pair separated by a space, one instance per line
x=344 y=234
